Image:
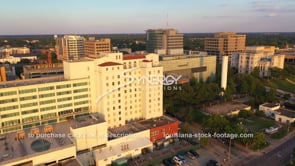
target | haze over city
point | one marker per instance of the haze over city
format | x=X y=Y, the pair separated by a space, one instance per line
x=130 y=16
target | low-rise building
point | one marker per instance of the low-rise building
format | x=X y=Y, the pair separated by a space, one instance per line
x=198 y=65
x=269 y=109
x=285 y=116
x=261 y=57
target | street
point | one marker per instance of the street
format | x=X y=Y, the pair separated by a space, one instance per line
x=278 y=156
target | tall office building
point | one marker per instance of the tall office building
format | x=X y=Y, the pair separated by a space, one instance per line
x=164 y=41
x=263 y=57
x=93 y=48
x=69 y=47
x=225 y=44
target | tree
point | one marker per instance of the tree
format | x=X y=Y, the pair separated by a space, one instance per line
x=204 y=141
x=271 y=95
x=245 y=114
x=259 y=141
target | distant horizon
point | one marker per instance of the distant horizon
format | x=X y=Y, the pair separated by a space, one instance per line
x=129 y=16
x=134 y=33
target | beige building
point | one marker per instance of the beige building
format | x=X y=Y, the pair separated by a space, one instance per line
x=263 y=57
x=93 y=48
x=74 y=114
x=196 y=65
x=164 y=41
x=225 y=44
x=4 y=52
x=69 y=47
x=269 y=109
x=122 y=87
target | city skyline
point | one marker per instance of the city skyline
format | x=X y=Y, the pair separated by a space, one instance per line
x=114 y=16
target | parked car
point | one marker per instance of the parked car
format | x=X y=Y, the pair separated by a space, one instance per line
x=168 y=162
x=194 y=153
x=181 y=157
x=212 y=163
x=177 y=160
x=190 y=155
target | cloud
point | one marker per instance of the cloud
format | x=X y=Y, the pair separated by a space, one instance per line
x=271 y=15
x=272 y=8
x=216 y=17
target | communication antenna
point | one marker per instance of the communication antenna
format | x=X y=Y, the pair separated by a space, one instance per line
x=167 y=20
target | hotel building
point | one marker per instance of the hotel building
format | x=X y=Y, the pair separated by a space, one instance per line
x=263 y=57
x=97 y=96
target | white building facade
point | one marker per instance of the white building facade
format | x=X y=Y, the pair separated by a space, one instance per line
x=263 y=57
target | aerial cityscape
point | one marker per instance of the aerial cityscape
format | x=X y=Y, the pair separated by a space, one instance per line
x=146 y=83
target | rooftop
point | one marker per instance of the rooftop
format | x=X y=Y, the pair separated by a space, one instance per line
x=156 y=122
x=131 y=57
x=86 y=121
x=109 y=64
x=287 y=112
x=271 y=105
x=21 y=144
x=118 y=149
x=226 y=108
x=140 y=125
x=33 y=81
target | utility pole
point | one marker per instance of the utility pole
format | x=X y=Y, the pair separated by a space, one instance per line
x=229 y=150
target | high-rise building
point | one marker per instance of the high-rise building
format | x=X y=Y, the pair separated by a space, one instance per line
x=164 y=41
x=263 y=57
x=93 y=48
x=69 y=47
x=225 y=44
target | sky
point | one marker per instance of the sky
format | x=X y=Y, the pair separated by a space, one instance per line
x=20 y=17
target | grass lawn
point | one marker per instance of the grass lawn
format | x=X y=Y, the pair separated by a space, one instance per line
x=292 y=78
x=257 y=124
x=282 y=84
x=280 y=134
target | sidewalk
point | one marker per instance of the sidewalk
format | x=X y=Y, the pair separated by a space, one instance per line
x=274 y=144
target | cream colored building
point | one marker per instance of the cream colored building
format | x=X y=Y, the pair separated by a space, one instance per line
x=28 y=103
x=285 y=116
x=263 y=57
x=111 y=90
x=14 y=60
x=199 y=66
x=269 y=109
x=69 y=47
x=225 y=44
x=4 y=52
x=93 y=48
x=122 y=87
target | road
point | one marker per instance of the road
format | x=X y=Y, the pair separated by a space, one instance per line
x=278 y=156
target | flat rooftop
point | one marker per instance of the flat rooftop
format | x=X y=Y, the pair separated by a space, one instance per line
x=225 y=108
x=140 y=125
x=270 y=105
x=31 y=81
x=115 y=150
x=287 y=112
x=156 y=122
x=86 y=120
x=12 y=148
x=21 y=148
